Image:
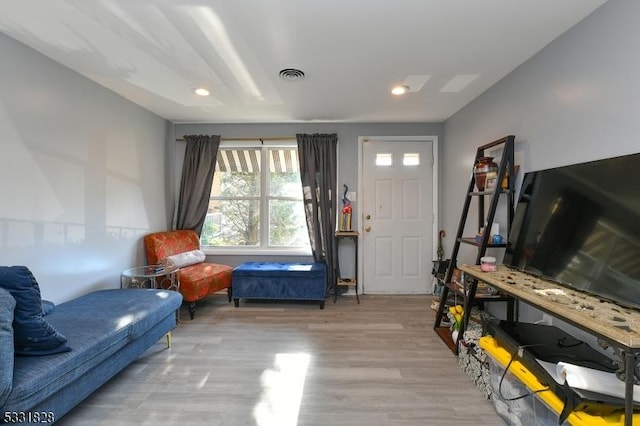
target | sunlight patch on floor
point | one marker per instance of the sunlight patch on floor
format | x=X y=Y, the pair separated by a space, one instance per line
x=282 y=388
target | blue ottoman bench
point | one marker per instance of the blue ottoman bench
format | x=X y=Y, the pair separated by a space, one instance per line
x=282 y=281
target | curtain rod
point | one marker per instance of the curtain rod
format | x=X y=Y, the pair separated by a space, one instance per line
x=271 y=138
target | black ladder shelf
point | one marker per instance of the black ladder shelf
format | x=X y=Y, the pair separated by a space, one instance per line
x=468 y=294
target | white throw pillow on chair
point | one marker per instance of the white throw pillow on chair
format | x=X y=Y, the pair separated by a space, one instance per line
x=185 y=259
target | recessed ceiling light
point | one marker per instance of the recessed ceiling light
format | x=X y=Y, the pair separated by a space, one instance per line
x=400 y=90
x=201 y=91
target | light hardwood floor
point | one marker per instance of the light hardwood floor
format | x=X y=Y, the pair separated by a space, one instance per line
x=282 y=364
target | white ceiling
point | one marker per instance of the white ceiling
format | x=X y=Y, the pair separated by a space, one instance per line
x=154 y=52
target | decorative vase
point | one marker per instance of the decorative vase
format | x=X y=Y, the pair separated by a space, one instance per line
x=485 y=172
x=454 y=336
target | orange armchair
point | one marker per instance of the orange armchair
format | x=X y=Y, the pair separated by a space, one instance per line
x=196 y=281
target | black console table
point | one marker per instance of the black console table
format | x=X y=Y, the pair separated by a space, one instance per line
x=616 y=325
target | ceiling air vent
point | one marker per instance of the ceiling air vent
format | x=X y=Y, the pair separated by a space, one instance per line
x=291 y=74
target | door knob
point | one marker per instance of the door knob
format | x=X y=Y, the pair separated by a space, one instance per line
x=368 y=217
x=367 y=228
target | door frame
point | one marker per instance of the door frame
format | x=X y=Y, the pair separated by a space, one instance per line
x=434 y=221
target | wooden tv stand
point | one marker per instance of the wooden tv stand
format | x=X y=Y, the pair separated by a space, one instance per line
x=616 y=325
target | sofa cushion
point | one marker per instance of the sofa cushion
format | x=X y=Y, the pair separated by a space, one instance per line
x=99 y=325
x=32 y=334
x=7 y=304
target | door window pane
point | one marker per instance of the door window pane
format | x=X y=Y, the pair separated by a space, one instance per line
x=384 y=159
x=411 y=159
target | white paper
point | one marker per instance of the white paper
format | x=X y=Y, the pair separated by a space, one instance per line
x=595 y=381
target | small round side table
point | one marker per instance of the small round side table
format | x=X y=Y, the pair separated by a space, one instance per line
x=151 y=276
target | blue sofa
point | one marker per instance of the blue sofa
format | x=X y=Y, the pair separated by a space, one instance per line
x=106 y=330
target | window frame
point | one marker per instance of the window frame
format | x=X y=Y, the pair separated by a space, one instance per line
x=264 y=199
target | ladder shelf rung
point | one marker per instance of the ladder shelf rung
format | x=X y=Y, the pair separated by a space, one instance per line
x=474 y=242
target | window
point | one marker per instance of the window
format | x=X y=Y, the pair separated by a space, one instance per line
x=411 y=159
x=384 y=159
x=256 y=199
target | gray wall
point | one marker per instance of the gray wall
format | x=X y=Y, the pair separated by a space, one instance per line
x=576 y=100
x=348 y=134
x=82 y=175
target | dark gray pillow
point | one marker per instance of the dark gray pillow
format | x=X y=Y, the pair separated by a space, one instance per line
x=32 y=335
x=7 y=304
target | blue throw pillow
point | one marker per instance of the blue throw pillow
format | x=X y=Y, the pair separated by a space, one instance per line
x=7 y=304
x=32 y=335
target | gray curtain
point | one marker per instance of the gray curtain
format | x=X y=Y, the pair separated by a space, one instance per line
x=318 y=171
x=197 y=176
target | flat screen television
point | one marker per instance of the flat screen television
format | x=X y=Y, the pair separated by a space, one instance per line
x=579 y=226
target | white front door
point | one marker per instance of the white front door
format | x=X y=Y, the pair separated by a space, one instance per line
x=398 y=214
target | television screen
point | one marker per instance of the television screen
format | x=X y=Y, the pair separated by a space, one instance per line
x=579 y=225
